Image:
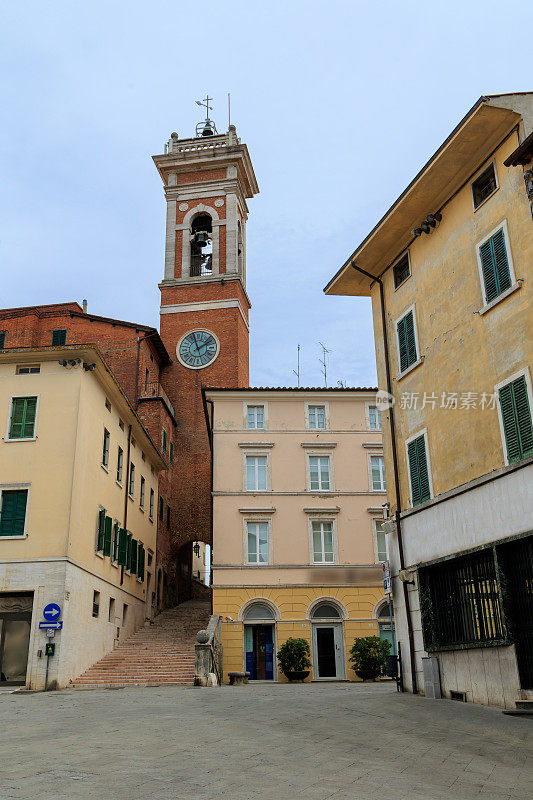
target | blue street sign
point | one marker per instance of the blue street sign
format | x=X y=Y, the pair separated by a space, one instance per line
x=55 y=625
x=51 y=612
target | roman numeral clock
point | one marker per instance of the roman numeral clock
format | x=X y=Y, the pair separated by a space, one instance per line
x=197 y=349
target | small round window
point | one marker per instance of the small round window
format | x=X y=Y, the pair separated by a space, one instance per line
x=326 y=611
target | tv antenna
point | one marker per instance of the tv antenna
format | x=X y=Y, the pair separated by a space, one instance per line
x=297 y=371
x=324 y=362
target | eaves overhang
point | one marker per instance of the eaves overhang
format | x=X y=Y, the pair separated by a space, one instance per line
x=478 y=134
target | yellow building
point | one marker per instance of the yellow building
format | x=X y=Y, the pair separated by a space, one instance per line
x=78 y=499
x=298 y=488
x=449 y=270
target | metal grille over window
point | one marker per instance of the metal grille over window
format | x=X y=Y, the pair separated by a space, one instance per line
x=460 y=602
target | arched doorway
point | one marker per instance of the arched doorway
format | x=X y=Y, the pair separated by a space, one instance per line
x=259 y=637
x=327 y=642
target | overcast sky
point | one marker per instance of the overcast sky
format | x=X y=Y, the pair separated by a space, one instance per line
x=340 y=104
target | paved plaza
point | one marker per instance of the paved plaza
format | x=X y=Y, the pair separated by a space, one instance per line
x=259 y=742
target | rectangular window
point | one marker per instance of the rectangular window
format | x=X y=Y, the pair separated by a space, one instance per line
x=381 y=542
x=168 y=517
x=152 y=496
x=374 y=418
x=23 y=413
x=59 y=337
x=2 y=340
x=124 y=614
x=171 y=452
x=13 y=512
x=317 y=416
x=105 y=448
x=131 y=484
x=460 y=602
x=161 y=509
x=257 y=533
x=516 y=419
x=121 y=424
x=418 y=470
x=96 y=603
x=134 y=551
x=322 y=542
x=142 y=493
x=484 y=186
x=256 y=473
x=256 y=417
x=401 y=270
x=495 y=267
x=164 y=441
x=108 y=404
x=405 y=328
x=377 y=469
x=108 y=527
x=111 y=612
x=146 y=381
x=140 y=561
x=28 y=369
x=319 y=473
x=120 y=464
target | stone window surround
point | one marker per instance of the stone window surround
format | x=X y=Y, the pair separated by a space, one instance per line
x=14 y=487
x=258 y=516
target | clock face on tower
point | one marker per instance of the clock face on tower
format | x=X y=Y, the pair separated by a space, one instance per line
x=197 y=349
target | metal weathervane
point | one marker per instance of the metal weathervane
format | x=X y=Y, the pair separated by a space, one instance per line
x=207 y=127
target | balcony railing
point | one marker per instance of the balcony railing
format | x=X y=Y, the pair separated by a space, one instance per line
x=201 y=265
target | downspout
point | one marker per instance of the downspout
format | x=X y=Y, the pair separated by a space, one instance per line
x=126 y=485
x=209 y=422
x=392 y=426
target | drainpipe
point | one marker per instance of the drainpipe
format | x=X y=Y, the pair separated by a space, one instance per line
x=126 y=484
x=209 y=408
x=392 y=426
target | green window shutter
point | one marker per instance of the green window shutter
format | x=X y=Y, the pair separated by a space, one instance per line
x=418 y=469
x=495 y=266
x=516 y=418
x=122 y=547
x=114 y=554
x=13 y=514
x=133 y=556
x=407 y=341
x=101 y=530
x=108 y=525
x=140 y=565
x=164 y=441
x=23 y=413
x=128 y=551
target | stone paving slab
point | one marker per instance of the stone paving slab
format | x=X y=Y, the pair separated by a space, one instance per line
x=259 y=742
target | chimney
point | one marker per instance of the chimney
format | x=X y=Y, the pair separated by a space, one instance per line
x=84 y=304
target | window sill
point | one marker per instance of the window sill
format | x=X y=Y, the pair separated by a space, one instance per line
x=151 y=519
x=119 y=483
x=410 y=369
x=7 y=440
x=115 y=564
x=253 y=564
x=130 y=496
x=321 y=491
x=141 y=508
x=106 y=469
x=20 y=536
x=502 y=296
x=99 y=554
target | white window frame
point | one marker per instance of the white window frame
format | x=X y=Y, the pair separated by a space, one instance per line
x=323 y=403
x=253 y=403
x=121 y=481
x=319 y=454
x=10 y=412
x=395 y=288
x=142 y=493
x=255 y=454
x=131 y=495
x=102 y=463
x=15 y=487
x=514 y=285
x=423 y=432
x=257 y=518
x=368 y=406
x=333 y=522
x=377 y=453
x=480 y=172
x=529 y=388
x=415 y=325
x=375 y=522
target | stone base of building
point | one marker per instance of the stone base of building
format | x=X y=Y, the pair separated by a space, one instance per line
x=256 y=621
x=88 y=633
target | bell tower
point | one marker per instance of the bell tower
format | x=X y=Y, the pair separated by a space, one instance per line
x=207 y=181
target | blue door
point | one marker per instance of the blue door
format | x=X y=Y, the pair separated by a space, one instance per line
x=259 y=647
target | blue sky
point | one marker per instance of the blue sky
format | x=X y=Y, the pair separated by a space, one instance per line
x=340 y=104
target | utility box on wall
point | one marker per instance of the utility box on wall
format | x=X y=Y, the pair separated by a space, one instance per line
x=431 y=677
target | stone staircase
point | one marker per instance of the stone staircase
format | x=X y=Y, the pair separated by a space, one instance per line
x=157 y=655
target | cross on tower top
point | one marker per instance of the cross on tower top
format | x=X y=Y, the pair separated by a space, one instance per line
x=206 y=128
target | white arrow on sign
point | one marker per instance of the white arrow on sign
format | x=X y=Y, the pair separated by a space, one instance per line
x=54 y=612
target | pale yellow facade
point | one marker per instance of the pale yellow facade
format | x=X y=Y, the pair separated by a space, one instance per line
x=290 y=581
x=471 y=342
x=57 y=559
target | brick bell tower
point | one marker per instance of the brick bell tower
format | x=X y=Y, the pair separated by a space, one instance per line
x=204 y=310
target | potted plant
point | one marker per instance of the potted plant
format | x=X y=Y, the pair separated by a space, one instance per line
x=293 y=657
x=368 y=656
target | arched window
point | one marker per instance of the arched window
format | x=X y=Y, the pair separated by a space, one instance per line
x=258 y=611
x=201 y=246
x=326 y=611
x=384 y=612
